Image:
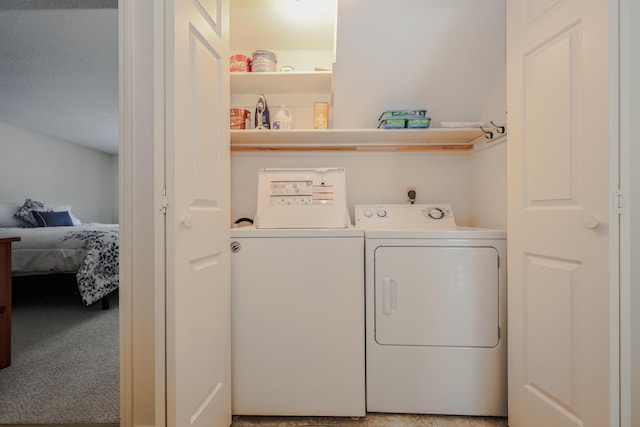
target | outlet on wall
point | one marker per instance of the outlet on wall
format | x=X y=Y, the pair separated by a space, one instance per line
x=411 y=194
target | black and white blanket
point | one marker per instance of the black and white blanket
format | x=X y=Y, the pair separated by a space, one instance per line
x=98 y=274
x=89 y=250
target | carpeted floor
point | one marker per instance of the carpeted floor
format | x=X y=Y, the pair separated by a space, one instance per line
x=64 y=366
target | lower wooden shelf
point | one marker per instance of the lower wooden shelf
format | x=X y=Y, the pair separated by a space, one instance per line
x=355 y=139
x=361 y=148
x=431 y=139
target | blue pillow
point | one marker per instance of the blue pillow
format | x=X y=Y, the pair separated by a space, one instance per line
x=52 y=219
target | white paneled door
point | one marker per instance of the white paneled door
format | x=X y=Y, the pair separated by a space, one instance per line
x=558 y=212
x=197 y=182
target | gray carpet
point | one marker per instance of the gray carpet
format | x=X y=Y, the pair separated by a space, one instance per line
x=64 y=366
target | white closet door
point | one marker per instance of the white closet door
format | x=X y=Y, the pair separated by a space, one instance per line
x=558 y=212
x=197 y=177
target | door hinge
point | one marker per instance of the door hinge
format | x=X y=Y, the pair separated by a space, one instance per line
x=618 y=201
x=164 y=202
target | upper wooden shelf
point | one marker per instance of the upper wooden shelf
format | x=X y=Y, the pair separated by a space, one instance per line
x=355 y=139
x=243 y=83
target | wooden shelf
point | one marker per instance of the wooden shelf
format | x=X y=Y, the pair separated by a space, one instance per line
x=431 y=139
x=243 y=83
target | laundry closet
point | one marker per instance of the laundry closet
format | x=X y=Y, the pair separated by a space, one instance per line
x=362 y=58
x=447 y=58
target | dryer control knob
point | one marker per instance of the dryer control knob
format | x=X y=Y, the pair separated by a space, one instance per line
x=436 y=213
x=367 y=212
x=382 y=213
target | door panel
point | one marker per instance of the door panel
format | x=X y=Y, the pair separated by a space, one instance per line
x=437 y=296
x=552 y=128
x=558 y=157
x=197 y=181
x=549 y=329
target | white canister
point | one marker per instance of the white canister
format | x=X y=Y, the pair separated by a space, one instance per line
x=283 y=119
x=263 y=60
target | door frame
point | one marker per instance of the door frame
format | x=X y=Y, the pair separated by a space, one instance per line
x=142 y=221
x=615 y=249
x=627 y=102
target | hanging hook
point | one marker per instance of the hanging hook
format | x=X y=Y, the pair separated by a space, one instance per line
x=487 y=133
x=499 y=129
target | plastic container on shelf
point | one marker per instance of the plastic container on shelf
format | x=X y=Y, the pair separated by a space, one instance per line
x=240 y=118
x=400 y=119
x=263 y=61
x=239 y=63
x=283 y=119
x=403 y=114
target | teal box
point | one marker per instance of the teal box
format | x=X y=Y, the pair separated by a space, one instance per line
x=419 y=123
x=403 y=114
x=392 y=124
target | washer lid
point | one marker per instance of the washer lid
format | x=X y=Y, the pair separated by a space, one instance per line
x=302 y=198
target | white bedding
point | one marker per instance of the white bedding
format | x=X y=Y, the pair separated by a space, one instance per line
x=89 y=250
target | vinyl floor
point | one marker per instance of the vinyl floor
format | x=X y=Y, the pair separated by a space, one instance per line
x=371 y=420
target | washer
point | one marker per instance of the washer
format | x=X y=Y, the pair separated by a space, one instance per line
x=435 y=312
x=297 y=301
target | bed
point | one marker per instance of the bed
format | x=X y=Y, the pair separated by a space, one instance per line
x=88 y=250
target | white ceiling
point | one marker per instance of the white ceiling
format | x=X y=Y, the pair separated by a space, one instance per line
x=59 y=70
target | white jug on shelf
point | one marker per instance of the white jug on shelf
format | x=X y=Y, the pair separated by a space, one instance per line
x=283 y=119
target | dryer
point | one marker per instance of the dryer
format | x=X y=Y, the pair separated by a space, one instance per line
x=435 y=312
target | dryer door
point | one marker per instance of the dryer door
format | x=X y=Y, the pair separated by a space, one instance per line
x=437 y=296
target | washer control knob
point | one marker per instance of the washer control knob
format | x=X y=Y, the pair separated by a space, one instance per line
x=382 y=213
x=436 y=213
x=367 y=212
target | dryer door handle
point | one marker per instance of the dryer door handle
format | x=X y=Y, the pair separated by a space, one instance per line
x=389 y=295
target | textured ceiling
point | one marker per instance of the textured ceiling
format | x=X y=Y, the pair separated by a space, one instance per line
x=59 y=69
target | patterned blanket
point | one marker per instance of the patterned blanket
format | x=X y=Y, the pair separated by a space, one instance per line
x=98 y=274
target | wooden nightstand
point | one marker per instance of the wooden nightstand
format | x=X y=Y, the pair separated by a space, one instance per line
x=5 y=300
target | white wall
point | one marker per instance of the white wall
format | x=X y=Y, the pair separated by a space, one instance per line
x=448 y=57
x=488 y=187
x=52 y=171
x=445 y=56
x=371 y=177
x=475 y=184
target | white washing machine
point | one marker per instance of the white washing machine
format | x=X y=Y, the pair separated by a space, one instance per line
x=297 y=300
x=435 y=312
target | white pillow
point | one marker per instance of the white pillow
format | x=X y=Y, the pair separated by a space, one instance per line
x=62 y=208
x=7 y=216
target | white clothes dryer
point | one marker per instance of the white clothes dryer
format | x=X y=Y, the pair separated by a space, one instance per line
x=435 y=312
x=297 y=300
